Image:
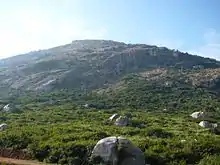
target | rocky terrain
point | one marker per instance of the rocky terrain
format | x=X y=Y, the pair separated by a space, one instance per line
x=91 y=64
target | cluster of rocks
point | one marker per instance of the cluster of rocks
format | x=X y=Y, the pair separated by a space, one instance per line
x=117 y=151
x=120 y=120
x=204 y=123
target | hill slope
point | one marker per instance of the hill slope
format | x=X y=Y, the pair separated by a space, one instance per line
x=90 y=64
x=158 y=86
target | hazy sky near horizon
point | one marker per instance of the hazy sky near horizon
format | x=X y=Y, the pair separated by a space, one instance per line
x=187 y=25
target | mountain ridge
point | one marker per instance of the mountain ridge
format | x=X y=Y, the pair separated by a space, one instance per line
x=91 y=64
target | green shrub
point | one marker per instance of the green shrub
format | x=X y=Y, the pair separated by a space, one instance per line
x=160 y=133
x=210 y=160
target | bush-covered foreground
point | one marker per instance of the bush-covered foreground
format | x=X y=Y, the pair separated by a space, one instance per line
x=66 y=135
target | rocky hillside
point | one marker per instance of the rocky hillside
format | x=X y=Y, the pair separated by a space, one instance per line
x=92 y=64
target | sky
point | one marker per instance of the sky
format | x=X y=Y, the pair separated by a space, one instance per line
x=187 y=25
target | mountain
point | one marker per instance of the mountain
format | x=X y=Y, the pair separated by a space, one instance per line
x=90 y=64
x=157 y=86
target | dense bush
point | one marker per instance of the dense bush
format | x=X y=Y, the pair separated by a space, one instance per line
x=210 y=160
x=159 y=133
x=67 y=135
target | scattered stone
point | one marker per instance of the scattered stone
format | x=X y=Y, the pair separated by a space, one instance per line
x=214 y=125
x=3 y=127
x=165 y=110
x=207 y=124
x=6 y=108
x=114 y=117
x=122 y=121
x=118 y=151
x=86 y=105
x=204 y=124
x=198 y=115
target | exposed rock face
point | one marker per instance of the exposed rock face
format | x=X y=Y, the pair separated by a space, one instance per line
x=122 y=121
x=198 y=115
x=3 y=127
x=118 y=151
x=114 y=117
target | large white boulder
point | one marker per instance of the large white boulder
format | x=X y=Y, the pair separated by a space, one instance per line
x=3 y=126
x=118 y=151
x=198 y=115
x=122 y=121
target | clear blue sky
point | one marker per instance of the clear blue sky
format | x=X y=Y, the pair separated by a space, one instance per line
x=187 y=25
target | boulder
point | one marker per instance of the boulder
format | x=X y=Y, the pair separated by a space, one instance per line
x=182 y=141
x=198 y=115
x=204 y=124
x=122 y=121
x=86 y=105
x=3 y=126
x=214 y=125
x=6 y=108
x=114 y=117
x=207 y=124
x=118 y=151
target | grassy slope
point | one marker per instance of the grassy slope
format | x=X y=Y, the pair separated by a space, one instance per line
x=68 y=133
x=64 y=133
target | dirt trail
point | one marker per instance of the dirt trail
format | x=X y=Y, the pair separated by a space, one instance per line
x=10 y=161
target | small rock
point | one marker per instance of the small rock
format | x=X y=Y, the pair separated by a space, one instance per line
x=86 y=105
x=214 y=125
x=198 y=115
x=114 y=117
x=122 y=121
x=3 y=127
x=6 y=108
x=205 y=124
x=165 y=110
